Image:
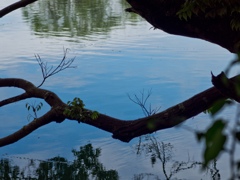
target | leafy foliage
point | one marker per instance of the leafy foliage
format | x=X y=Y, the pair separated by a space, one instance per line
x=218 y=106
x=77 y=111
x=220 y=132
x=214 y=139
x=212 y=9
x=34 y=108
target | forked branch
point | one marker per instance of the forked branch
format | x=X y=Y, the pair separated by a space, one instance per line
x=50 y=71
x=121 y=129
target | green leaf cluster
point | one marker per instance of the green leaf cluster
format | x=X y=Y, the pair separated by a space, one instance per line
x=214 y=139
x=186 y=11
x=34 y=108
x=76 y=110
x=212 y=9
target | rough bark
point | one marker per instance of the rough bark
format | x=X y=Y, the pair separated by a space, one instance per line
x=124 y=130
x=162 y=15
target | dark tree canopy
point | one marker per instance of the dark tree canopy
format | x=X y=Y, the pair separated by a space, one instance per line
x=210 y=20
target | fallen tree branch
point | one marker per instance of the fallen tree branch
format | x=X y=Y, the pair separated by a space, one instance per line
x=31 y=91
x=26 y=130
x=121 y=129
x=14 y=99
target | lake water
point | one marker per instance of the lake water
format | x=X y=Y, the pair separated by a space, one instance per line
x=116 y=54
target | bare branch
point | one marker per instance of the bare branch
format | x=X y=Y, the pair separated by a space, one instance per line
x=25 y=130
x=14 y=99
x=15 y=6
x=50 y=71
x=142 y=103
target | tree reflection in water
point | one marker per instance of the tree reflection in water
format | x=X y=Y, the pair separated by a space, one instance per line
x=163 y=153
x=63 y=18
x=85 y=166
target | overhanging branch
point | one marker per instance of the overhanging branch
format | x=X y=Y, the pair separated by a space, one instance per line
x=14 y=99
x=15 y=6
x=127 y=130
x=121 y=129
x=25 y=130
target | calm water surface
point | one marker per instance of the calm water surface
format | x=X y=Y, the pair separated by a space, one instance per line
x=116 y=54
